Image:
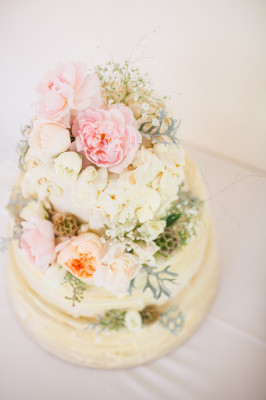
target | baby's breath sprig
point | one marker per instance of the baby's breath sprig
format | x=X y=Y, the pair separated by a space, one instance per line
x=78 y=288
x=124 y=83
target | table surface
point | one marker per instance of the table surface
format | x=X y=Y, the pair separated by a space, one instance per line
x=224 y=359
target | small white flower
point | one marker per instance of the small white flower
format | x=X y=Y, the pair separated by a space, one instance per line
x=144 y=116
x=145 y=106
x=136 y=98
x=155 y=122
x=68 y=165
x=133 y=321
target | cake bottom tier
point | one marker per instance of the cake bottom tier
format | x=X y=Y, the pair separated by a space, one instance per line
x=76 y=341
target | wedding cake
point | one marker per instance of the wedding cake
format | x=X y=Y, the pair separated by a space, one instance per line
x=112 y=256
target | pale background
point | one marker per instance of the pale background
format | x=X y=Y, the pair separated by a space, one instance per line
x=213 y=54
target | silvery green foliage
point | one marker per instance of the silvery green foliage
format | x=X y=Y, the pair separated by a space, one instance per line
x=173 y=320
x=23 y=145
x=15 y=205
x=156 y=281
x=5 y=241
x=154 y=132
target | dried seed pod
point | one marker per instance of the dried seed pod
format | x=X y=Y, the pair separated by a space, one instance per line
x=65 y=224
x=150 y=314
x=167 y=241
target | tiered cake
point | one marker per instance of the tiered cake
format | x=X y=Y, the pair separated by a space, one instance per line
x=112 y=260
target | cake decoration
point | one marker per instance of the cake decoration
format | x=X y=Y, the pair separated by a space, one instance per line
x=107 y=224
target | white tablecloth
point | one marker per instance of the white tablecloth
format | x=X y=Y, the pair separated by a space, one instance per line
x=224 y=359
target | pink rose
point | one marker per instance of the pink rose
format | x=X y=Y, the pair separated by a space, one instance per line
x=81 y=255
x=67 y=88
x=107 y=138
x=39 y=242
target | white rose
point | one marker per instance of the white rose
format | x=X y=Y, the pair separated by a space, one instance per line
x=172 y=156
x=68 y=165
x=150 y=199
x=109 y=205
x=101 y=178
x=48 y=139
x=169 y=185
x=85 y=189
x=133 y=321
x=89 y=183
x=148 y=166
x=33 y=208
x=89 y=174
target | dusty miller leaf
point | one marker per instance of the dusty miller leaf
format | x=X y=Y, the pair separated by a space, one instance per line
x=154 y=132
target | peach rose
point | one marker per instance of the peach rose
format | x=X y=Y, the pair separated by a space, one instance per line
x=107 y=138
x=39 y=242
x=48 y=139
x=117 y=270
x=67 y=88
x=81 y=255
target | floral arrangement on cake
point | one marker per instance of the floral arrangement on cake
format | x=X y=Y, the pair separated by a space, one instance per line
x=102 y=192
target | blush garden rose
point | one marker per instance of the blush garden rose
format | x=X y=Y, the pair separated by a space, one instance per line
x=68 y=87
x=107 y=138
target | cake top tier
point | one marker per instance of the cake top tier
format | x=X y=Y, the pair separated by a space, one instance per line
x=102 y=186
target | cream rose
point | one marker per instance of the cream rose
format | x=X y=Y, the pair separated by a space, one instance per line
x=117 y=270
x=48 y=139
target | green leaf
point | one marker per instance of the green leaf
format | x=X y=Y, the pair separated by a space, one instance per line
x=172 y=218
